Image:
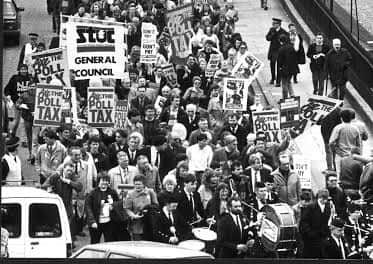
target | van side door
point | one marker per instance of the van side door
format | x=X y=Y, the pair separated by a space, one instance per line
x=46 y=238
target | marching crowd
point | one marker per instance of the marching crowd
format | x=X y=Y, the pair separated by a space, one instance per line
x=182 y=162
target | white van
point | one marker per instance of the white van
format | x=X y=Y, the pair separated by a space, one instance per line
x=37 y=223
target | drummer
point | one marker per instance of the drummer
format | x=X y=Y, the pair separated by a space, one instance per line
x=170 y=226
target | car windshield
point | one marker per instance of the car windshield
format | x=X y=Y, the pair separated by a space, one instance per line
x=8 y=9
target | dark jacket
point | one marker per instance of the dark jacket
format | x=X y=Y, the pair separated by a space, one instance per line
x=314 y=228
x=240 y=134
x=340 y=201
x=93 y=204
x=287 y=60
x=162 y=231
x=229 y=237
x=317 y=64
x=337 y=65
x=181 y=116
x=330 y=250
x=17 y=85
x=135 y=103
x=185 y=208
x=366 y=183
x=150 y=130
x=274 y=37
x=351 y=171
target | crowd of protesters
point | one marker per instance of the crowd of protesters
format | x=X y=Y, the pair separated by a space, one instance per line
x=151 y=181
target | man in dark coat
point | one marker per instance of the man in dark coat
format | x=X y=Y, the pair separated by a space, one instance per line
x=297 y=41
x=274 y=37
x=334 y=247
x=337 y=64
x=170 y=226
x=287 y=63
x=337 y=195
x=232 y=234
x=313 y=224
x=141 y=101
x=189 y=201
x=236 y=130
x=317 y=52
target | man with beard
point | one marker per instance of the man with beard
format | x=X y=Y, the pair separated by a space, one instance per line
x=232 y=238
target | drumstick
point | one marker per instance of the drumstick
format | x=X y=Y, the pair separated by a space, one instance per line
x=252 y=207
x=196 y=222
x=213 y=218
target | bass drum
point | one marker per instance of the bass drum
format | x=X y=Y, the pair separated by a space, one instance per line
x=279 y=228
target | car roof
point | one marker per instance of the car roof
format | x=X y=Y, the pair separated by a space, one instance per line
x=148 y=250
x=25 y=192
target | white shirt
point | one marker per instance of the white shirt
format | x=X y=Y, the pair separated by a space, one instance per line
x=153 y=155
x=260 y=204
x=322 y=206
x=199 y=159
x=237 y=221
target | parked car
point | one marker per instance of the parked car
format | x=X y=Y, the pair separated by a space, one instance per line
x=37 y=223
x=12 y=20
x=138 y=250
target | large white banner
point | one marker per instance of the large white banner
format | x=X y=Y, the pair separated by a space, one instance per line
x=148 y=53
x=95 y=50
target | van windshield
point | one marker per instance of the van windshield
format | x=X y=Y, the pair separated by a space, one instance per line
x=44 y=221
x=11 y=219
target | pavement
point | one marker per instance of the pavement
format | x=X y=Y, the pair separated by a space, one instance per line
x=254 y=23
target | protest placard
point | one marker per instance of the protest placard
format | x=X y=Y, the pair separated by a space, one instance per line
x=289 y=112
x=248 y=67
x=170 y=74
x=315 y=110
x=96 y=50
x=212 y=65
x=268 y=122
x=51 y=64
x=120 y=116
x=235 y=94
x=148 y=53
x=302 y=166
x=179 y=23
x=48 y=102
x=69 y=112
x=101 y=107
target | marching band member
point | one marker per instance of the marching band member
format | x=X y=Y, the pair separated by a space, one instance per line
x=232 y=235
x=189 y=201
x=334 y=247
x=170 y=225
x=313 y=224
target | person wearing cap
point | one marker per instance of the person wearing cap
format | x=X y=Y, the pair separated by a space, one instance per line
x=27 y=50
x=273 y=36
x=49 y=156
x=170 y=226
x=353 y=234
x=314 y=224
x=335 y=247
x=11 y=170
